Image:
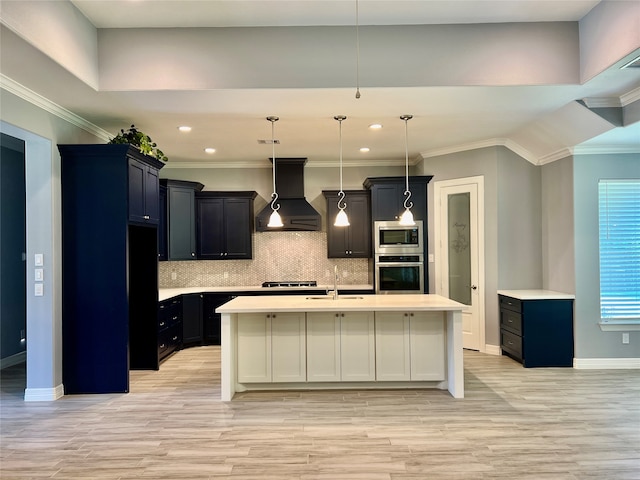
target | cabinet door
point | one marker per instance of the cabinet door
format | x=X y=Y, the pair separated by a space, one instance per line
x=151 y=196
x=211 y=237
x=337 y=237
x=323 y=347
x=237 y=228
x=393 y=361
x=254 y=348
x=137 y=177
x=182 y=241
x=162 y=224
x=386 y=201
x=211 y=319
x=427 y=333
x=192 y=319
x=288 y=347
x=359 y=211
x=357 y=347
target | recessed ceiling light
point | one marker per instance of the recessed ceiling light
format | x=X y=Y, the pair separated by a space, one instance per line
x=375 y=126
x=210 y=150
x=364 y=149
x=184 y=128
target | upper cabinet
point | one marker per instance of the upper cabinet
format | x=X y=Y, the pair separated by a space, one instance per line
x=387 y=197
x=353 y=241
x=224 y=225
x=143 y=192
x=181 y=219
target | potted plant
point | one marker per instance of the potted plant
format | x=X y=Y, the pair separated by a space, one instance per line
x=135 y=137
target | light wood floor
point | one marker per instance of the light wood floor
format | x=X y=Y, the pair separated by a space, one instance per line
x=515 y=423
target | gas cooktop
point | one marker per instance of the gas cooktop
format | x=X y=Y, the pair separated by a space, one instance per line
x=295 y=283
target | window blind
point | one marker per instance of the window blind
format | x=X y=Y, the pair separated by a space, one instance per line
x=619 y=222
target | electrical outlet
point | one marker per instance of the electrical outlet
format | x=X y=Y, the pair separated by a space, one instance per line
x=625 y=338
x=174 y=275
x=226 y=275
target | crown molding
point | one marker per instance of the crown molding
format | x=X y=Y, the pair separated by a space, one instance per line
x=602 y=102
x=39 y=101
x=630 y=97
x=491 y=142
x=605 y=149
x=557 y=155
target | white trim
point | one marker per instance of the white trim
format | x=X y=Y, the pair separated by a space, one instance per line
x=602 y=102
x=619 y=326
x=310 y=164
x=630 y=97
x=43 y=394
x=14 y=359
x=557 y=155
x=491 y=142
x=39 y=101
x=606 y=363
x=492 y=349
x=605 y=149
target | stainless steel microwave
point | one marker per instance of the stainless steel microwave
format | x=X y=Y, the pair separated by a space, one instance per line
x=393 y=238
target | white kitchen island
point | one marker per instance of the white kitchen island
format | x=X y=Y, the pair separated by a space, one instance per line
x=316 y=342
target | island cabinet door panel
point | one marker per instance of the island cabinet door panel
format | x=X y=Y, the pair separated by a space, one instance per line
x=254 y=348
x=393 y=354
x=288 y=347
x=357 y=347
x=323 y=347
x=427 y=334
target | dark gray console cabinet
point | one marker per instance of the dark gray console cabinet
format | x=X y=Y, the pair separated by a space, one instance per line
x=353 y=241
x=109 y=266
x=387 y=196
x=537 y=332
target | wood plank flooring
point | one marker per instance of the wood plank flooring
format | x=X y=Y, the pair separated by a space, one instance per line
x=551 y=423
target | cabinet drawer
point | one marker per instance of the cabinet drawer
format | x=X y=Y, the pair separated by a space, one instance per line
x=511 y=343
x=511 y=321
x=510 y=303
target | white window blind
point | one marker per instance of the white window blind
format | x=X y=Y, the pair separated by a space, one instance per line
x=619 y=220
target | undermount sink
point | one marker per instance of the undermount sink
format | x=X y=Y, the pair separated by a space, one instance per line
x=329 y=297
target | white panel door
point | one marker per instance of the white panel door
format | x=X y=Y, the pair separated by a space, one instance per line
x=393 y=354
x=254 y=348
x=323 y=347
x=357 y=347
x=288 y=347
x=459 y=233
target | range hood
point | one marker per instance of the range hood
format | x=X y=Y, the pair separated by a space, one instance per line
x=297 y=214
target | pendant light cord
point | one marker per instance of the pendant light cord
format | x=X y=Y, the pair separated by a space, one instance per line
x=357 y=53
x=341 y=203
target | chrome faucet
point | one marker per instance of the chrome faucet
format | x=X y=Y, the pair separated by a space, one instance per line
x=335 y=282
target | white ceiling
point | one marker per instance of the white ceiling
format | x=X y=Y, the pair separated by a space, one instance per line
x=447 y=117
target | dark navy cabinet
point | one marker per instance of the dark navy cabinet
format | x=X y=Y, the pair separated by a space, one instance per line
x=181 y=219
x=387 y=197
x=353 y=241
x=109 y=266
x=537 y=332
x=224 y=225
x=170 y=317
x=192 y=331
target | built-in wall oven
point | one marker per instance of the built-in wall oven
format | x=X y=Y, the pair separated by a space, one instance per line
x=399 y=258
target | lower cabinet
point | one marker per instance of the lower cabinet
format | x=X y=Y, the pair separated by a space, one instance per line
x=192 y=331
x=410 y=346
x=340 y=347
x=169 y=327
x=211 y=319
x=271 y=348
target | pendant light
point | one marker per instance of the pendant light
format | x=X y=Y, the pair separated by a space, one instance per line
x=407 y=217
x=274 y=219
x=341 y=218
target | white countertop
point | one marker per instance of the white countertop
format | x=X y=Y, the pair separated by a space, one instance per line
x=165 y=293
x=536 y=295
x=366 y=303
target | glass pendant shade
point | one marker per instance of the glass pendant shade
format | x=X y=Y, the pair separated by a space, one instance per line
x=275 y=220
x=341 y=219
x=407 y=218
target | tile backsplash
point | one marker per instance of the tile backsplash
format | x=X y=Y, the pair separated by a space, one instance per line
x=277 y=256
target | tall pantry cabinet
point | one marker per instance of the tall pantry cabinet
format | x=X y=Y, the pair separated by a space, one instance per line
x=110 y=212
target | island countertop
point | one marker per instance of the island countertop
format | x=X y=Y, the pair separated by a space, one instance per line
x=347 y=302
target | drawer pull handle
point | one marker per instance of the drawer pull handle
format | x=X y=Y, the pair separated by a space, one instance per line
x=510 y=343
x=162 y=324
x=162 y=346
x=510 y=321
x=175 y=318
x=175 y=338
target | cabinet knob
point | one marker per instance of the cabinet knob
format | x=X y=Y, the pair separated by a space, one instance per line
x=411 y=314
x=337 y=315
x=146 y=217
x=406 y=314
x=193 y=254
x=175 y=338
x=162 y=324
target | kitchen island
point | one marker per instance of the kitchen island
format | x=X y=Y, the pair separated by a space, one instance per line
x=318 y=342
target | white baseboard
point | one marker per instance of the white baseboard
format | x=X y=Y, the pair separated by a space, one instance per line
x=13 y=360
x=606 y=363
x=492 y=349
x=43 y=394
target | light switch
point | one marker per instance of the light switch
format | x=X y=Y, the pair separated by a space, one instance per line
x=39 y=274
x=38 y=259
x=39 y=289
